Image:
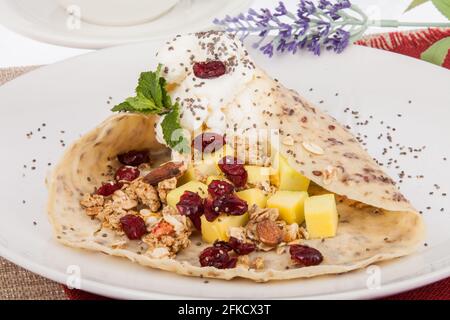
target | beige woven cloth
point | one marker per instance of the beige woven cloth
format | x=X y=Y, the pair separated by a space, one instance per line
x=15 y=282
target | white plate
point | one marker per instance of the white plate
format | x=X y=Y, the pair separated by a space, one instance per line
x=46 y=20
x=71 y=97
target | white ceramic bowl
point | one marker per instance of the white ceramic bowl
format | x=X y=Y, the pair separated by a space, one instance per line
x=118 y=12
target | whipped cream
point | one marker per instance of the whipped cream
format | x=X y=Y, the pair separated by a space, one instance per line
x=208 y=104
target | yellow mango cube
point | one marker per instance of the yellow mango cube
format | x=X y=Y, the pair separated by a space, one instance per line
x=188 y=176
x=290 y=179
x=253 y=196
x=290 y=205
x=200 y=169
x=257 y=175
x=275 y=169
x=218 y=229
x=321 y=216
x=173 y=197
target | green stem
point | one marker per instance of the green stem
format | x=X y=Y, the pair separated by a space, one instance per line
x=396 y=24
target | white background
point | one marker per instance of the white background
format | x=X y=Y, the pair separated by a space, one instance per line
x=16 y=50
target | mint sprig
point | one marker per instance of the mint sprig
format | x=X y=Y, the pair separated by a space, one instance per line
x=151 y=95
x=152 y=98
x=172 y=131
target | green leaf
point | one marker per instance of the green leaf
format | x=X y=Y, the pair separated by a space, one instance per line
x=149 y=86
x=443 y=6
x=437 y=52
x=415 y=3
x=142 y=104
x=152 y=98
x=173 y=132
x=123 y=107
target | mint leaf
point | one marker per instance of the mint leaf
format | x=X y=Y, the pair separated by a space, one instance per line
x=173 y=132
x=443 y=6
x=415 y=3
x=152 y=98
x=151 y=95
x=123 y=107
x=437 y=52
x=150 y=86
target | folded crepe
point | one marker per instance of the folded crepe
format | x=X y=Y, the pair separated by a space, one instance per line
x=376 y=222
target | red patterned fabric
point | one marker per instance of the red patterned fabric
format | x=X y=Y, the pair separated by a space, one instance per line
x=410 y=44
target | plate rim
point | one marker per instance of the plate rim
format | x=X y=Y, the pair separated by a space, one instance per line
x=14 y=21
x=114 y=291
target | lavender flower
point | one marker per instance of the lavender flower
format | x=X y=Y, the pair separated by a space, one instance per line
x=316 y=25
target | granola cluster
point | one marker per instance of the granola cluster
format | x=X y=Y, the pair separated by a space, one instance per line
x=167 y=231
x=267 y=231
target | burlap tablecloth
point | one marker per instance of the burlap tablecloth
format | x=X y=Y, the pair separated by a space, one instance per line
x=15 y=282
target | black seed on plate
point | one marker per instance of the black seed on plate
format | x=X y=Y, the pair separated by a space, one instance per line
x=34 y=223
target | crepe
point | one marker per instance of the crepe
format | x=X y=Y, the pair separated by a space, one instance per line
x=376 y=222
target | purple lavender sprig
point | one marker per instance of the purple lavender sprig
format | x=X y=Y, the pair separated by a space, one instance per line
x=315 y=26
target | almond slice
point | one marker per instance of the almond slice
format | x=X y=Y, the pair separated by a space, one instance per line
x=312 y=148
x=269 y=233
x=288 y=141
x=166 y=171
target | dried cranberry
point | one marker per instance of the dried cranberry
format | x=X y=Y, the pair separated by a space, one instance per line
x=219 y=188
x=191 y=205
x=230 y=204
x=208 y=210
x=127 y=173
x=209 y=69
x=234 y=170
x=241 y=248
x=231 y=165
x=109 y=188
x=133 y=158
x=238 y=180
x=133 y=226
x=208 y=142
x=223 y=245
x=305 y=256
x=217 y=258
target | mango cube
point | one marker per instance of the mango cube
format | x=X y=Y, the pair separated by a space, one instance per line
x=258 y=175
x=218 y=229
x=188 y=176
x=253 y=196
x=290 y=205
x=290 y=179
x=321 y=216
x=173 y=197
x=275 y=170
